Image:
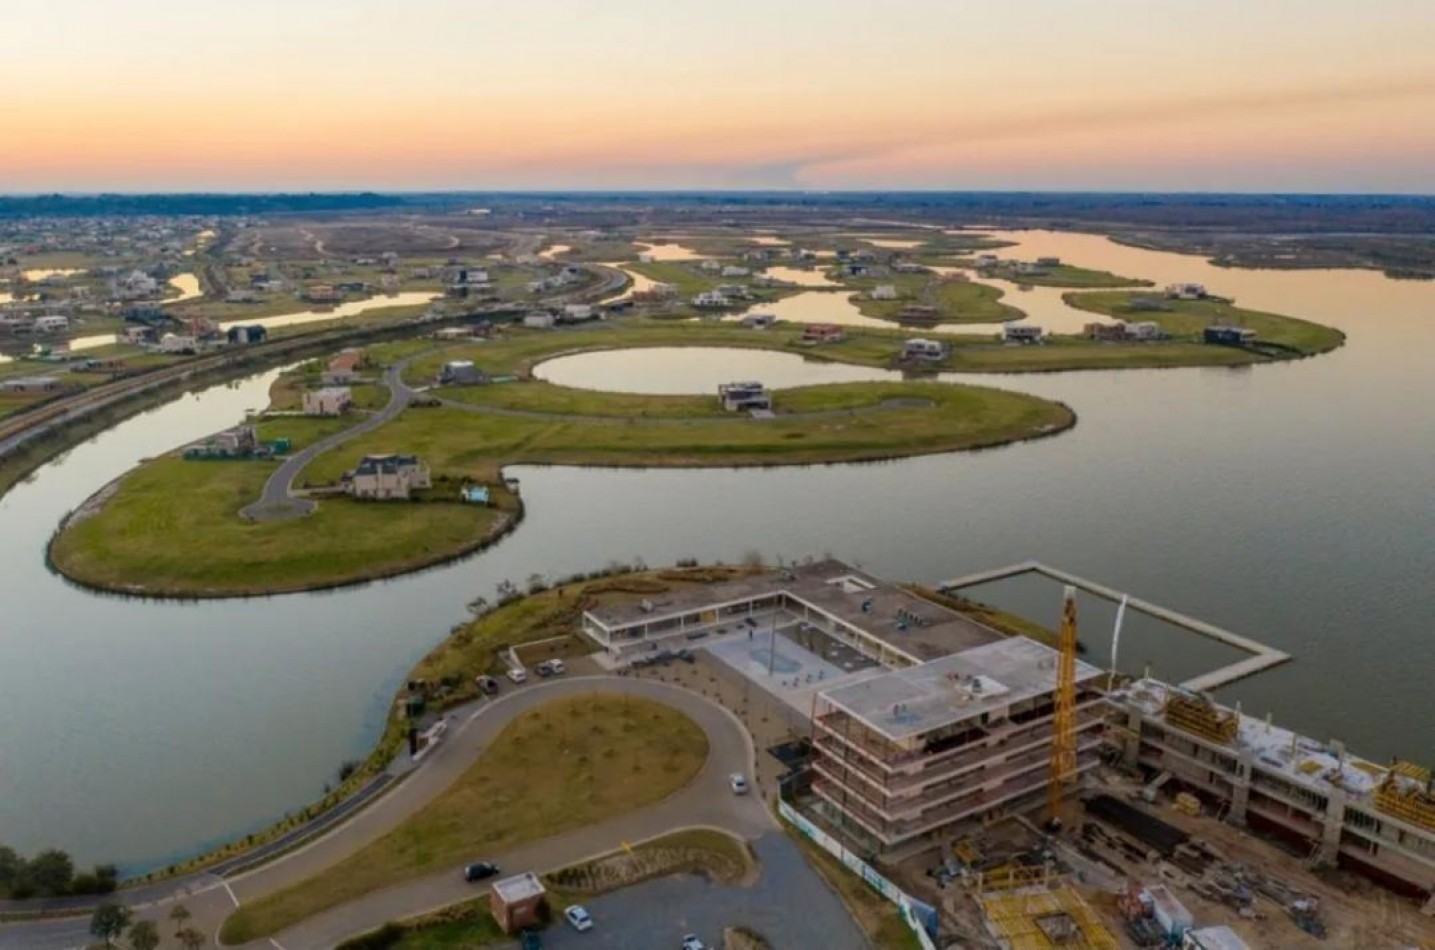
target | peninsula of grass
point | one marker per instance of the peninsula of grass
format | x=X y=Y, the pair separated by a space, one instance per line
x=1185 y=320
x=567 y=764
x=1063 y=275
x=955 y=300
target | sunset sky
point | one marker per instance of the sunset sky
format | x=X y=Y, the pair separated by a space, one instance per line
x=1255 y=95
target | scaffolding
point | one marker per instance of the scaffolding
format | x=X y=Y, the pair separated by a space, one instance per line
x=1199 y=716
x=1044 y=918
x=1408 y=793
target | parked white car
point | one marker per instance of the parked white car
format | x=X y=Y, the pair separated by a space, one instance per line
x=691 y=942
x=738 y=783
x=518 y=674
x=579 y=917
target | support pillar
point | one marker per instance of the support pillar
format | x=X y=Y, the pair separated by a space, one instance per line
x=1241 y=788
x=1332 y=824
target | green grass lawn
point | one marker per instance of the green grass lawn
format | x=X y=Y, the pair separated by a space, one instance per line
x=957 y=301
x=1064 y=275
x=1185 y=319
x=570 y=763
x=173 y=527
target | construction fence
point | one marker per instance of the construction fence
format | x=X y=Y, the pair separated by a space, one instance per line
x=919 y=916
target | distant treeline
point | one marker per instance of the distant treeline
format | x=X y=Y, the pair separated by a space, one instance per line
x=77 y=206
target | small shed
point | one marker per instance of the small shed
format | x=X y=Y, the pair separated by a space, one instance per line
x=517 y=902
x=475 y=494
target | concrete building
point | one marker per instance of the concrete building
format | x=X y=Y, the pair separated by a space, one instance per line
x=1228 y=336
x=1334 y=806
x=1186 y=291
x=387 y=477
x=52 y=323
x=29 y=385
x=517 y=902
x=744 y=397
x=759 y=321
x=540 y=320
x=905 y=754
x=930 y=350
x=461 y=373
x=176 y=343
x=578 y=312
x=711 y=299
x=1021 y=333
x=823 y=333
x=884 y=292
x=329 y=401
x=254 y=333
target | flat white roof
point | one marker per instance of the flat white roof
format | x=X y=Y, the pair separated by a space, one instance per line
x=909 y=702
x=1305 y=761
x=520 y=887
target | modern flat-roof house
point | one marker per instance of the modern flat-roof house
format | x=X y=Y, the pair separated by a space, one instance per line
x=823 y=333
x=329 y=401
x=387 y=477
x=744 y=396
x=905 y=754
x=1021 y=333
x=1186 y=291
x=711 y=299
x=883 y=292
x=924 y=350
x=1334 y=806
x=758 y=321
x=30 y=385
x=461 y=373
x=1228 y=336
x=540 y=320
x=516 y=902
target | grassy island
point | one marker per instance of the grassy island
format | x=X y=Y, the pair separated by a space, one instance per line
x=1062 y=275
x=1277 y=336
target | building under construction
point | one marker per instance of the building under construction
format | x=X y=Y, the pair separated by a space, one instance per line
x=1340 y=809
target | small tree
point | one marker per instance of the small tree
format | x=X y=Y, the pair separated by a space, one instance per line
x=144 y=935
x=180 y=915
x=190 y=938
x=109 y=921
x=11 y=866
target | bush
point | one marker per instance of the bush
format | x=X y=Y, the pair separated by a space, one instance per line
x=385 y=937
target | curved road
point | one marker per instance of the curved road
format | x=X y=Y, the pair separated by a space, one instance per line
x=706 y=801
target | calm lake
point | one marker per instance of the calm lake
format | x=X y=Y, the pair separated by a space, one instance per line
x=1289 y=502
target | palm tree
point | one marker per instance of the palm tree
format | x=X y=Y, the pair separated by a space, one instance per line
x=191 y=939
x=180 y=915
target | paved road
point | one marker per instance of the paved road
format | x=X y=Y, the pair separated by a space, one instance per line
x=707 y=801
x=789 y=904
x=277 y=501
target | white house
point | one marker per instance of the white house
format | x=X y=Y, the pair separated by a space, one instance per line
x=710 y=299
x=539 y=320
x=1021 y=333
x=175 y=343
x=733 y=270
x=329 y=401
x=758 y=321
x=1186 y=291
x=920 y=349
x=663 y=290
x=710 y=266
x=884 y=292
x=646 y=258
x=51 y=324
x=1146 y=330
x=577 y=312
x=988 y=260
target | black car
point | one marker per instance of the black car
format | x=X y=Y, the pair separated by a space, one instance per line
x=488 y=684
x=479 y=870
x=686 y=655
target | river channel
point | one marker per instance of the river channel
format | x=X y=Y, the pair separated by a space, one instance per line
x=1289 y=502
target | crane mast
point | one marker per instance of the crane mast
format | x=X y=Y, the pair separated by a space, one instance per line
x=1063 y=743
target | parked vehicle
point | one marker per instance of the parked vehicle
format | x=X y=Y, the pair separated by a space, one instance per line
x=691 y=942
x=529 y=940
x=543 y=670
x=738 y=782
x=687 y=656
x=579 y=917
x=487 y=684
x=518 y=674
x=479 y=870
x=557 y=667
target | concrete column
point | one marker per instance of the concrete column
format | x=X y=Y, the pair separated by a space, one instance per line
x=1128 y=739
x=1241 y=788
x=1332 y=823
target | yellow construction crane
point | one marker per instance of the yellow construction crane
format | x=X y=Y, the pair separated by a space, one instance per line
x=1063 y=743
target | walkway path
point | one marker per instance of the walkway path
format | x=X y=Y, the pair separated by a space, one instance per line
x=706 y=801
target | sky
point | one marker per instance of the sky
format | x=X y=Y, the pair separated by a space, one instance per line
x=1126 y=95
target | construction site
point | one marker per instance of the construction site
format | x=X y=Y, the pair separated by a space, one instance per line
x=1032 y=801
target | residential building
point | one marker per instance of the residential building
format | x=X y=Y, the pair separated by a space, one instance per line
x=744 y=397
x=1048 y=261
x=1110 y=332
x=1145 y=330
x=711 y=266
x=254 y=333
x=578 y=312
x=733 y=270
x=1186 y=291
x=919 y=349
x=178 y=343
x=461 y=373
x=758 y=321
x=1229 y=336
x=322 y=293
x=540 y=320
x=823 y=333
x=711 y=299
x=517 y=902
x=387 y=477
x=29 y=385
x=1021 y=333
x=884 y=292
x=329 y=401
x=51 y=324
x=985 y=261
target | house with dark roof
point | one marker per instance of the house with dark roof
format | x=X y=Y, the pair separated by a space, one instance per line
x=387 y=477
